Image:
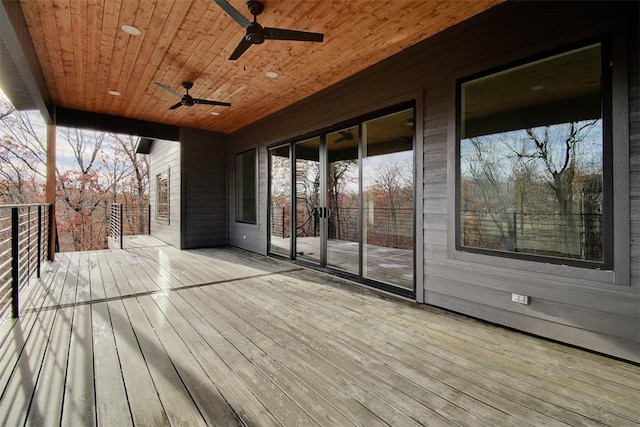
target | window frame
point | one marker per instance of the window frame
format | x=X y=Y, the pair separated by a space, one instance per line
x=607 y=159
x=239 y=212
x=163 y=176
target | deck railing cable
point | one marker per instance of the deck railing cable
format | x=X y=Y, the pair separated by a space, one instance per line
x=24 y=244
x=115 y=225
x=128 y=220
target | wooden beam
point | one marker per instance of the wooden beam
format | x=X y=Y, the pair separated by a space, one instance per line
x=106 y=123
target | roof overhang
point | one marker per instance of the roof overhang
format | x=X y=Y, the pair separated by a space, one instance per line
x=20 y=74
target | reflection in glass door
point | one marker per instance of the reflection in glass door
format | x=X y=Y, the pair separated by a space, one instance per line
x=349 y=203
x=387 y=198
x=342 y=200
x=280 y=201
x=308 y=201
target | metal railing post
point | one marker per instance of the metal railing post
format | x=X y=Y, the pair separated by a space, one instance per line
x=149 y=219
x=15 y=262
x=38 y=262
x=121 y=227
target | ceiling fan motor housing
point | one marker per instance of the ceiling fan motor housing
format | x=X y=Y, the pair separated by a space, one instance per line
x=187 y=101
x=255 y=34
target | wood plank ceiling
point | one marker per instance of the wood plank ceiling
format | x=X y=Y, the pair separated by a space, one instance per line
x=85 y=54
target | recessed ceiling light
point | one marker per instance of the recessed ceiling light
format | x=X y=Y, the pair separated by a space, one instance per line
x=114 y=93
x=537 y=87
x=215 y=113
x=130 y=29
x=271 y=74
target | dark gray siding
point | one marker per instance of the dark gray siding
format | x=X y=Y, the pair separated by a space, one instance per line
x=593 y=309
x=204 y=183
x=165 y=158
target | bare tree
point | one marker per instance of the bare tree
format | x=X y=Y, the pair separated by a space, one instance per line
x=393 y=192
x=505 y=175
x=129 y=179
x=341 y=173
x=81 y=192
x=22 y=157
x=557 y=154
x=93 y=169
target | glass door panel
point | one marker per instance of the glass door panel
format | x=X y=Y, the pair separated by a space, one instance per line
x=308 y=201
x=343 y=230
x=280 y=201
x=387 y=194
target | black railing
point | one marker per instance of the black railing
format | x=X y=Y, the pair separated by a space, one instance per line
x=24 y=244
x=128 y=220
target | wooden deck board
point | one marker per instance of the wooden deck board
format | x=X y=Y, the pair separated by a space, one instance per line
x=469 y=351
x=438 y=376
x=158 y=336
x=112 y=407
x=144 y=402
x=370 y=354
x=211 y=403
x=341 y=373
x=78 y=407
x=46 y=406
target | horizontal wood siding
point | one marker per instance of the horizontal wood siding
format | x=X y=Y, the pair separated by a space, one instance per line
x=567 y=304
x=165 y=158
x=634 y=156
x=205 y=189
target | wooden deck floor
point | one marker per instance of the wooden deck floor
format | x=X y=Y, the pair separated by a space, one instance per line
x=153 y=336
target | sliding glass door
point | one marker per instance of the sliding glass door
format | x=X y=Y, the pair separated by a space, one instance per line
x=346 y=197
x=387 y=195
x=308 y=201
x=280 y=200
x=343 y=228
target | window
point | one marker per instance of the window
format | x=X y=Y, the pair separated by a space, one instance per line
x=246 y=187
x=162 y=205
x=533 y=162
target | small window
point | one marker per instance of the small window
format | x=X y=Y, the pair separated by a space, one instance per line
x=246 y=187
x=162 y=186
x=532 y=166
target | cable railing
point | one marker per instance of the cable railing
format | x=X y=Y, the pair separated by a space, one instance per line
x=115 y=225
x=24 y=245
x=128 y=220
x=578 y=235
x=389 y=227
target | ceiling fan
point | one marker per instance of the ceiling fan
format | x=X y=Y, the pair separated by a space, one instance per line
x=257 y=34
x=186 y=99
x=344 y=136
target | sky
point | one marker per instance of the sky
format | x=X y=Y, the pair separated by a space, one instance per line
x=65 y=159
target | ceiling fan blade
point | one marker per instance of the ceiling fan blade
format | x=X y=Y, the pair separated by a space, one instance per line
x=168 y=89
x=176 y=105
x=233 y=12
x=209 y=102
x=282 y=34
x=242 y=48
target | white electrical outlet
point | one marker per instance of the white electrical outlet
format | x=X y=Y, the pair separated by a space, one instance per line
x=520 y=299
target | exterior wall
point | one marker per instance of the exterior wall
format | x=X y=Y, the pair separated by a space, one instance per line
x=165 y=157
x=594 y=309
x=252 y=237
x=204 y=188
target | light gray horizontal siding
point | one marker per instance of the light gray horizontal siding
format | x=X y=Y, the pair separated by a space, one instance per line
x=165 y=158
